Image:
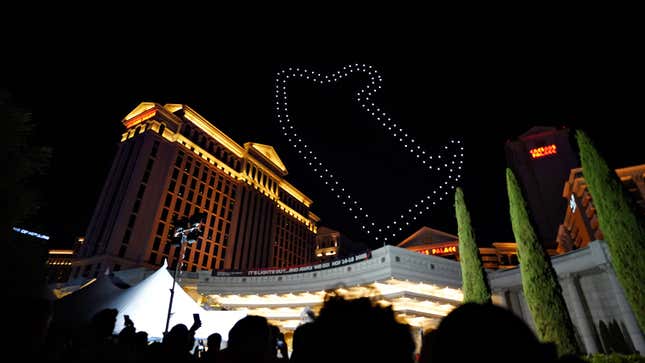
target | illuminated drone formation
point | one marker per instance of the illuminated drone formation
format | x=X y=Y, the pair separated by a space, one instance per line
x=446 y=163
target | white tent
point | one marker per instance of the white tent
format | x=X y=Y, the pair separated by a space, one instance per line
x=147 y=305
x=78 y=307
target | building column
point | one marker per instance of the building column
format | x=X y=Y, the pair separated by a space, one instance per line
x=498 y=297
x=626 y=313
x=580 y=315
x=513 y=303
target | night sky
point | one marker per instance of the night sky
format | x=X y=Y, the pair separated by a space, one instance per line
x=483 y=94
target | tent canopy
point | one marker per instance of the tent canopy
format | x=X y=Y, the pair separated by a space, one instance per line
x=147 y=305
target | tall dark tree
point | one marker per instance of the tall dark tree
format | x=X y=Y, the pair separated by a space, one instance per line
x=539 y=280
x=474 y=283
x=22 y=163
x=620 y=222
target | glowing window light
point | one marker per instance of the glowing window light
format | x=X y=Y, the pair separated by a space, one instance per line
x=543 y=151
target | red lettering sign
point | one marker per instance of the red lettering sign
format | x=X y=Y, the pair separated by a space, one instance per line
x=543 y=151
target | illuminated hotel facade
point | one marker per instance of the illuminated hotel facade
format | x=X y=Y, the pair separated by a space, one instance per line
x=421 y=289
x=171 y=163
x=540 y=159
x=580 y=224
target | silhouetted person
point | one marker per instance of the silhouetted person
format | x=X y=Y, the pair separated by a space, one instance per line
x=484 y=332
x=213 y=343
x=248 y=341
x=96 y=342
x=132 y=345
x=303 y=341
x=177 y=344
x=127 y=334
x=28 y=319
x=357 y=330
x=279 y=351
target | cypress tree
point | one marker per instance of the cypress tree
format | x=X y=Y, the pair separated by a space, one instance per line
x=619 y=220
x=539 y=281
x=474 y=283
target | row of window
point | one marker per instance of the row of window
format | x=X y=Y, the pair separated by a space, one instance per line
x=293 y=203
x=263 y=179
x=194 y=192
x=211 y=146
x=137 y=203
x=293 y=244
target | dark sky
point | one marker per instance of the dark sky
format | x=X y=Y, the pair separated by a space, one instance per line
x=483 y=92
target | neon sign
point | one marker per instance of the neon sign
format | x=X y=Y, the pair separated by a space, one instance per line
x=543 y=151
x=30 y=233
x=440 y=250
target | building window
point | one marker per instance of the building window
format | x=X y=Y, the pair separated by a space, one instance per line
x=142 y=189
x=164 y=214
x=168 y=200
x=155 y=147
x=126 y=236
x=156 y=243
x=137 y=204
x=133 y=217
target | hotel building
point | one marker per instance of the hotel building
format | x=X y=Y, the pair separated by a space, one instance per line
x=581 y=221
x=541 y=158
x=173 y=163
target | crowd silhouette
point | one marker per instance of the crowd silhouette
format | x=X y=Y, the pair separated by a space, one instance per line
x=345 y=330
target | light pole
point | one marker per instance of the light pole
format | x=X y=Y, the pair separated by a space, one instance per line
x=186 y=230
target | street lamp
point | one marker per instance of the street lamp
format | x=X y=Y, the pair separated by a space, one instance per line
x=186 y=230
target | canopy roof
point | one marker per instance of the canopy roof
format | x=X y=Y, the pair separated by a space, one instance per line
x=147 y=305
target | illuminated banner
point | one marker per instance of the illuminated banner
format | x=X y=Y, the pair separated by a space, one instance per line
x=30 y=233
x=543 y=151
x=297 y=269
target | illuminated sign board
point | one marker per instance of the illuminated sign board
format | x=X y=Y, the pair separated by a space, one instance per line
x=297 y=269
x=30 y=233
x=543 y=151
x=140 y=118
x=439 y=250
